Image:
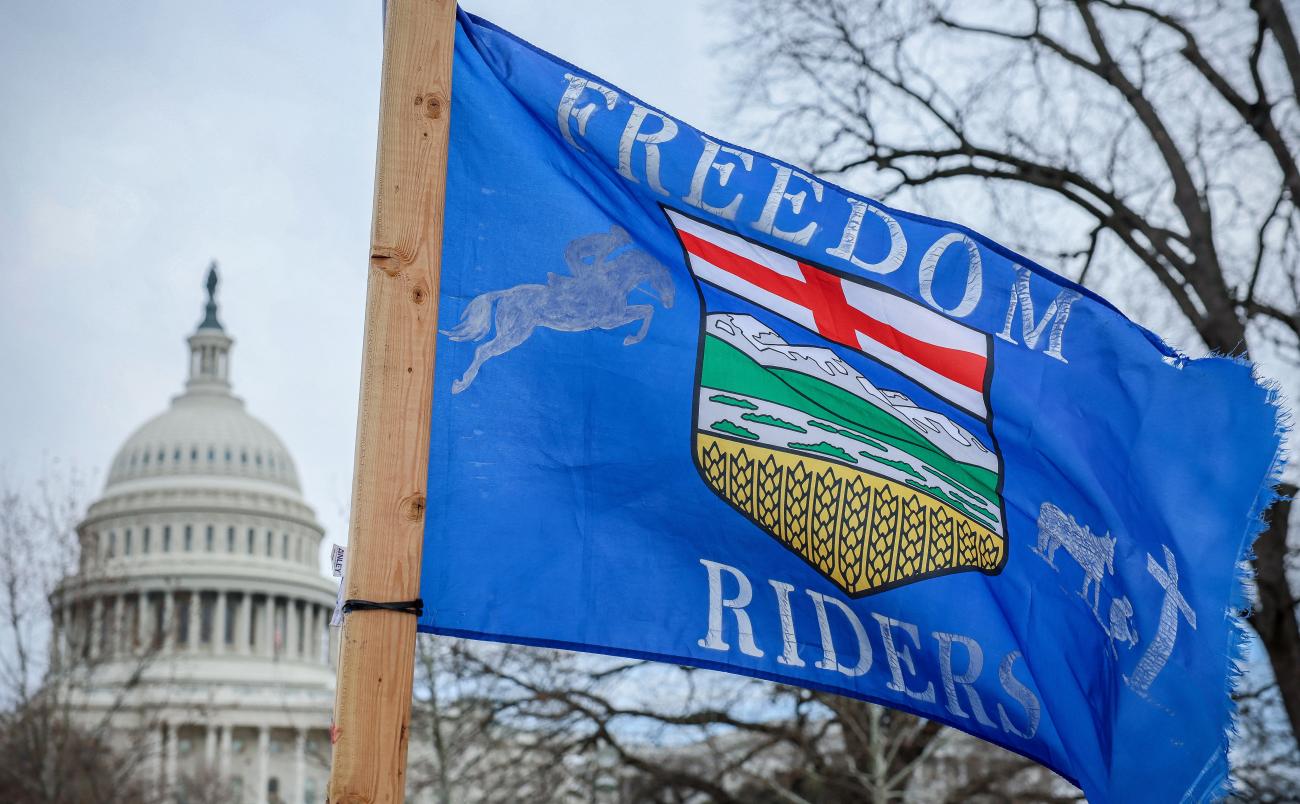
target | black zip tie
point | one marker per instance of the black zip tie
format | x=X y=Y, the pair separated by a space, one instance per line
x=415 y=607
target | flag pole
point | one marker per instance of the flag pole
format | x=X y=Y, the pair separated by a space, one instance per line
x=372 y=706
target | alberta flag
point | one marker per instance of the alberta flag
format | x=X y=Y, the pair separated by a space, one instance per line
x=695 y=405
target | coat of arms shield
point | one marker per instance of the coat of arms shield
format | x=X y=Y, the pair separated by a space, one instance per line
x=850 y=423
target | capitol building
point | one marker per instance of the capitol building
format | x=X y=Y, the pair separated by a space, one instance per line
x=200 y=605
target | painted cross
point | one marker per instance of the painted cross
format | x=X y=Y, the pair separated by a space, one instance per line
x=946 y=356
x=1157 y=653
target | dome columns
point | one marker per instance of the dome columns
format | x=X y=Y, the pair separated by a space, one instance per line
x=223 y=752
x=209 y=361
x=263 y=757
x=199 y=622
x=174 y=744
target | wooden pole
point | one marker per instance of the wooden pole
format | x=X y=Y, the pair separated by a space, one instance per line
x=372 y=708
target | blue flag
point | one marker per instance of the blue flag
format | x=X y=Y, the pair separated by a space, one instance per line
x=696 y=405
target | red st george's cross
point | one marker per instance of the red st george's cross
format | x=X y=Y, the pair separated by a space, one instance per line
x=840 y=308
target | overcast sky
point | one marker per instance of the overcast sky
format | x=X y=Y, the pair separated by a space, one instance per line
x=140 y=140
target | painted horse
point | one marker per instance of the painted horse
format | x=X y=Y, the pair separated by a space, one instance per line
x=604 y=269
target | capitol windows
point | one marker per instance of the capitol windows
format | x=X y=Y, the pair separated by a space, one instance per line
x=229 y=602
x=144 y=541
x=189 y=538
x=167 y=539
x=194 y=454
x=284 y=546
x=182 y=617
x=252 y=537
x=158 y=605
x=207 y=613
x=302 y=610
x=227 y=456
x=212 y=454
x=243 y=458
x=162 y=455
x=176 y=455
x=112 y=543
x=145 y=458
x=230 y=540
x=126 y=543
x=255 y=614
x=270 y=551
x=281 y=615
x=258 y=459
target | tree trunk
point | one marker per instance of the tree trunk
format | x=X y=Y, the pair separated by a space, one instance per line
x=1274 y=618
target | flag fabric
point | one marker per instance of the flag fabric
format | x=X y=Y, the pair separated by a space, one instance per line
x=696 y=405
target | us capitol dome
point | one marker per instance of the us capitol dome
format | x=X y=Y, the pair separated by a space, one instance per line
x=199 y=608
